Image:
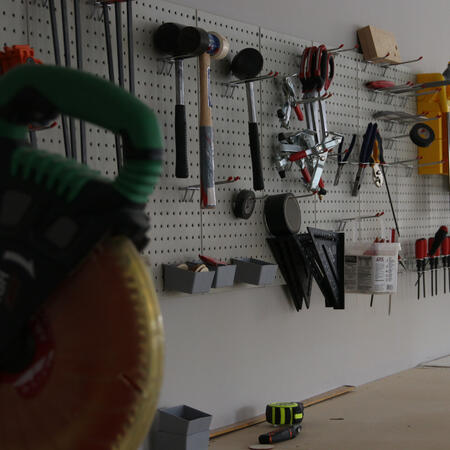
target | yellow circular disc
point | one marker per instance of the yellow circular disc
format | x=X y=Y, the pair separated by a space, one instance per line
x=96 y=376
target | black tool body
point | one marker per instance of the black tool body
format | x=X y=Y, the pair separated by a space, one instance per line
x=282 y=214
x=247 y=64
x=167 y=41
x=280 y=435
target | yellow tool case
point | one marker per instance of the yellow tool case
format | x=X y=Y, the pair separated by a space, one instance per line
x=432 y=105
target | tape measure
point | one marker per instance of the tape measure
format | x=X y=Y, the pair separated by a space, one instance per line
x=284 y=413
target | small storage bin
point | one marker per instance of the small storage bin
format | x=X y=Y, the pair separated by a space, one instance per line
x=176 y=279
x=223 y=275
x=254 y=271
x=182 y=428
x=169 y=441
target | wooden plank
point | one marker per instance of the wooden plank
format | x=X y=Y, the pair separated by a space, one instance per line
x=260 y=419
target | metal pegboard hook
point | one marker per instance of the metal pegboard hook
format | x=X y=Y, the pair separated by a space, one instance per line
x=96 y=10
x=192 y=189
x=340 y=49
x=343 y=222
x=374 y=60
x=231 y=85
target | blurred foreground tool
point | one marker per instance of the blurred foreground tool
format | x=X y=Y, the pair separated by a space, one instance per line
x=81 y=339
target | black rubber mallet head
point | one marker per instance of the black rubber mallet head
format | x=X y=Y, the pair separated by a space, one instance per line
x=193 y=41
x=248 y=63
x=165 y=38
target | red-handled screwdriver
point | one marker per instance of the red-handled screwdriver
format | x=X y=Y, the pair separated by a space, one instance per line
x=421 y=254
x=445 y=252
x=431 y=260
x=434 y=249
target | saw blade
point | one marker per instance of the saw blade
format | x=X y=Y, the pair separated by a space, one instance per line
x=96 y=375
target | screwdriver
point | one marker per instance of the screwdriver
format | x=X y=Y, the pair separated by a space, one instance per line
x=431 y=260
x=280 y=434
x=447 y=261
x=421 y=254
x=445 y=252
x=434 y=248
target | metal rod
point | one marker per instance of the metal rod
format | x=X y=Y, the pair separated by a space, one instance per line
x=67 y=59
x=118 y=15
x=57 y=55
x=131 y=46
x=33 y=142
x=109 y=55
x=390 y=200
x=263 y=77
x=79 y=46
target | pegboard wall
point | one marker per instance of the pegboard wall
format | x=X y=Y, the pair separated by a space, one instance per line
x=181 y=230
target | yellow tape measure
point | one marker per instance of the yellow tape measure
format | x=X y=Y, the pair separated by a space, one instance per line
x=284 y=413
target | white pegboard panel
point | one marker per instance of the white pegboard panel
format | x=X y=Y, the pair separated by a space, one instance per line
x=180 y=230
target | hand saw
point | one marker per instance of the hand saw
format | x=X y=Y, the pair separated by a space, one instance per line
x=80 y=328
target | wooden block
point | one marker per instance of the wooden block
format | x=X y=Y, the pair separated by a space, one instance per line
x=376 y=43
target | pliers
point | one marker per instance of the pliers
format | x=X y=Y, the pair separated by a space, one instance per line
x=343 y=160
x=375 y=160
x=364 y=156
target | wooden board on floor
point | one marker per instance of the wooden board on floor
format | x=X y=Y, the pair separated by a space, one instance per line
x=259 y=419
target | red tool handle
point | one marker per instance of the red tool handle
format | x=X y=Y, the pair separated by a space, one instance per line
x=299 y=155
x=421 y=248
x=211 y=261
x=298 y=112
x=445 y=246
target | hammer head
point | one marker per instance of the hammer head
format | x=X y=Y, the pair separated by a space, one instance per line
x=193 y=41
x=248 y=63
x=166 y=36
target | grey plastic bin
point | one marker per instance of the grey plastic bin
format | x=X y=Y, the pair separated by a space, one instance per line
x=176 y=279
x=254 y=271
x=170 y=441
x=182 y=428
x=223 y=275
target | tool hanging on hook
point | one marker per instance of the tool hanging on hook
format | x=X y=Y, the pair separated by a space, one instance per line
x=79 y=47
x=165 y=40
x=190 y=39
x=247 y=64
x=57 y=56
x=68 y=63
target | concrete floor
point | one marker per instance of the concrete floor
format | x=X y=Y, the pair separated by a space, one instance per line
x=409 y=410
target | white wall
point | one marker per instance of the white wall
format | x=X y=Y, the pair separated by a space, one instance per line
x=422 y=27
x=231 y=353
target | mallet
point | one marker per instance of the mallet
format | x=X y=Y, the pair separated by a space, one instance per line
x=247 y=64
x=190 y=40
x=165 y=40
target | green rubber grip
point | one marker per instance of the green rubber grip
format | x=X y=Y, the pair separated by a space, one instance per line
x=92 y=99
